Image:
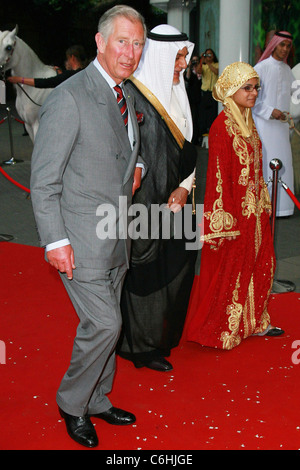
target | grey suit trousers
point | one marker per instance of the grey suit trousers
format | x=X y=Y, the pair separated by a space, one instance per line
x=95 y=294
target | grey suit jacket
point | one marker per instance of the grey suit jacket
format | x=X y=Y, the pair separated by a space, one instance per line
x=82 y=159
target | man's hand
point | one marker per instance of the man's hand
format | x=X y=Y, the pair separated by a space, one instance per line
x=177 y=199
x=137 y=179
x=62 y=259
x=277 y=114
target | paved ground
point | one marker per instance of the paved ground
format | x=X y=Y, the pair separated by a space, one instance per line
x=16 y=216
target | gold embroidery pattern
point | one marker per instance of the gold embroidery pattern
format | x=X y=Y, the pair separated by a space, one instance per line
x=234 y=311
x=249 y=201
x=249 y=311
x=265 y=317
x=256 y=199
x=220 y=221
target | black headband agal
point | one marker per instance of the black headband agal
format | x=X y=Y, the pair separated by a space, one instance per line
x=167 y=38
x=282 y=35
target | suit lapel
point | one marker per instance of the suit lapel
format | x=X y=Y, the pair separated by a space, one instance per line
x=105 y=98
x=109 y=108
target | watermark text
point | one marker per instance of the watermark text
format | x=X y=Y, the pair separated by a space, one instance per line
x=296 y=93
x=137 y=221
x=296 y=354
x=2 y=353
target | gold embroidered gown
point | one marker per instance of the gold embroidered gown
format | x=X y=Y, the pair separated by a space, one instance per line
x=229 y=298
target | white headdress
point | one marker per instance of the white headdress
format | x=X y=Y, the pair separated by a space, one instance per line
x=156 y=68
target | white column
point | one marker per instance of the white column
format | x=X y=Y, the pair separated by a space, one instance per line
x=178 y=12
x=176 y=16
x=235 y=16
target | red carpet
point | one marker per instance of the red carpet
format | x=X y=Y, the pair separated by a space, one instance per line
x=244 y=399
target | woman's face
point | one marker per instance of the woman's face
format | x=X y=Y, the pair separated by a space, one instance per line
x=246 y=96
x=209 y=56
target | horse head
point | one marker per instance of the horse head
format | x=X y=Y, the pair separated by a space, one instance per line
x=17 y=56
x=7 y=46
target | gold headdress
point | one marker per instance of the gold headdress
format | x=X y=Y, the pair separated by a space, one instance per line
x=233 y=77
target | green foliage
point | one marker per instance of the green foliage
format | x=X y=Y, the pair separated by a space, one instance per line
x=58 y=5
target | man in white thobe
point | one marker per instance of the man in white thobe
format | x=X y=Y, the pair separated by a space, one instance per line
x=276 y=80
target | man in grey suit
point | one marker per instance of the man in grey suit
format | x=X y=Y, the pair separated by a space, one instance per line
x=84 y=159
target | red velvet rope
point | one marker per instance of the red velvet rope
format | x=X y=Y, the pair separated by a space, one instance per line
x=13 y=181
x=16 y=119
x=292 y=196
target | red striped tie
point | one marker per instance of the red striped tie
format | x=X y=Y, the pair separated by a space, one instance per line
x=122 y=104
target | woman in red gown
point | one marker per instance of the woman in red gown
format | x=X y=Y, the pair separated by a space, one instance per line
x=229 y=299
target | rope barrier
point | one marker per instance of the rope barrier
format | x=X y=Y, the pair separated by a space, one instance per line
x=19 y=120
x=16 y=119
x=279 y=286
x=13 y=181
x=292 y=196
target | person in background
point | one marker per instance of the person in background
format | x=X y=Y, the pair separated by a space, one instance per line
x=208 y=68
x=274 y=99
x=84 y=159
x=75 y=61
x=193 y=86
x=229 y=300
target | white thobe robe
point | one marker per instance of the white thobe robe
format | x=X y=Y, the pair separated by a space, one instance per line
x=176 y=113
x=276 y=80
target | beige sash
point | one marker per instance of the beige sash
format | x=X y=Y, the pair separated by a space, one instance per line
x=178 y=136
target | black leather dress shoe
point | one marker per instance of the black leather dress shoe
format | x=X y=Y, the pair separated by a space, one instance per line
x=116 y=416
x=275 y=331
x=80 y=429
x=160 y=364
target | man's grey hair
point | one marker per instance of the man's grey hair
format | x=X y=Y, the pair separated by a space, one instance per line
x=106 y=22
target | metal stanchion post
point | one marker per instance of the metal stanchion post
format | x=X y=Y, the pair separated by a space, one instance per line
x=279 y=286
x=3 y=236
x=12 y=160
x=275 y=166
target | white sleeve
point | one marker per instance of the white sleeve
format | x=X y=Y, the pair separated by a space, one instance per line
x=261 y=107
x=58 y=244
x=188 y=182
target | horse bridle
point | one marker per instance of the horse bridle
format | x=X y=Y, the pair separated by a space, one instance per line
x=2 y=73
x=10 y=49
x=3 y=70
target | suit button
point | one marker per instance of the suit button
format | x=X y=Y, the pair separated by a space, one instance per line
x=117 y=156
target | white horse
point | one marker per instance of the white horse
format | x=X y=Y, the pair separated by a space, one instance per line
x=17 y=56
